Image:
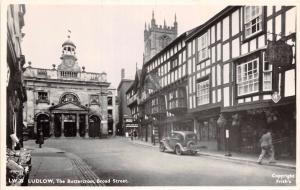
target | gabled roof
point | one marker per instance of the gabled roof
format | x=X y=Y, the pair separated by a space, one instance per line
x=136 y=81
x=69 y=106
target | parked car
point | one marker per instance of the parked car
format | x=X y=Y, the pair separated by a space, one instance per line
x=180 y=142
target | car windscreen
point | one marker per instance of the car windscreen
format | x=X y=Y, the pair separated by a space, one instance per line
x=191 y=136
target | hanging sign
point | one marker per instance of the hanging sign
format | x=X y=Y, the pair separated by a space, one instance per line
x=276 y=97
x=279 y=53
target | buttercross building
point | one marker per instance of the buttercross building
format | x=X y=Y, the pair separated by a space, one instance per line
x=66 y=101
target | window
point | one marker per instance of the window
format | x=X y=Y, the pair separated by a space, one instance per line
x=202 y=47
x=176 y=99
x=247 y=77
x=109 y=114
x=164 y=41
x=202 y=92
x=109 y=101
x=69 y=98
x=252 y=20
x=267 y=74
x=43 y=96
x=174 y=63
x=94 y=99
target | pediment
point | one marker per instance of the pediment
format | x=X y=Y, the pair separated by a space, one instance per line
x=69 y=106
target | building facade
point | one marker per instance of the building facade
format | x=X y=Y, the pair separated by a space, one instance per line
x=66 y=101
x=223 y=81
x=124 y=112
x=112 y=111
x=132 y=103
x=15 y=90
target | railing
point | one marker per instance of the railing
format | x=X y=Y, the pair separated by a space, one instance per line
x=66 y=75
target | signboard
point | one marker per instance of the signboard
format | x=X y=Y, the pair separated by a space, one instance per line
x=279 y=53
x=276 y=97
x=132 y=125
x=128 y=120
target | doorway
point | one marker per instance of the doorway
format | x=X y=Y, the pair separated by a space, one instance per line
x=43 y=124
x=94 y=126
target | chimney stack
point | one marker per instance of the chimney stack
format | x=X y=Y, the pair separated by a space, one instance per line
x=122 y=73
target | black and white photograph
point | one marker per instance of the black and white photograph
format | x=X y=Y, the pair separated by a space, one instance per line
x=171 y=94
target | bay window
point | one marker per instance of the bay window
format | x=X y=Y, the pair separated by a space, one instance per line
x=247 y=77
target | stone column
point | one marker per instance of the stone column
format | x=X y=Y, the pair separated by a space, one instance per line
x=52 y=124
x=62 y=125
x=77 y=125
x=86 y=125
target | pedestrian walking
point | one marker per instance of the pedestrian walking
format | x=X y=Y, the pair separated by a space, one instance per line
x=266 y=147
x=40 y=138
x=131 y=134
x=134 y=134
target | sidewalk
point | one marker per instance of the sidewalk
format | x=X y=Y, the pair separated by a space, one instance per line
x=54 y=167
x=238 y=157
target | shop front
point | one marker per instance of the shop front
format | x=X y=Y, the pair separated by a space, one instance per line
x=246 y=128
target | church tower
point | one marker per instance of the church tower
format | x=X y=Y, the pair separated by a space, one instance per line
x=69 y=67
x=156 y=37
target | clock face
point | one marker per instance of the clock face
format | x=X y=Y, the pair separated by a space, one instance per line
x=69 y=62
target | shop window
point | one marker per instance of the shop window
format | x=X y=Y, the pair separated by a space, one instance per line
x=202 y=92
x=267 y=74
x=247 y=77
x=252 y=20
x=203 y=47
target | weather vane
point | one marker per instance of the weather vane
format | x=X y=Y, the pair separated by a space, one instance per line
x=69 y=33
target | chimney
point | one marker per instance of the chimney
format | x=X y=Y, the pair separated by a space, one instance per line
x=122 y=74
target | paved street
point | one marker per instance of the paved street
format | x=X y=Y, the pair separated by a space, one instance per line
x=138 y=165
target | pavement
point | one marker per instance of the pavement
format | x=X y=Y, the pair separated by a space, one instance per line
x=237 y=157
x=55 y=167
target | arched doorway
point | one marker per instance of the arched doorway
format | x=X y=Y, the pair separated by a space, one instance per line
x=43 y=123
x=94 y=126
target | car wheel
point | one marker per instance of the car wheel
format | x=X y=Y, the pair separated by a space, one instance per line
x=162 y=147
x=178 y=150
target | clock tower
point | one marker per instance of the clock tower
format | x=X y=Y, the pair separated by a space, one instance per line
x=68 y=57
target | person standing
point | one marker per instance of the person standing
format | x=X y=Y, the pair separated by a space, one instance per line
x=40 y=137
x=266 y=147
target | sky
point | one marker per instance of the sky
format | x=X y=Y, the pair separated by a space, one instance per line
x=108 y=36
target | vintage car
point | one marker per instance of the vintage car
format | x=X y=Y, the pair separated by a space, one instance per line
x=180 y=142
